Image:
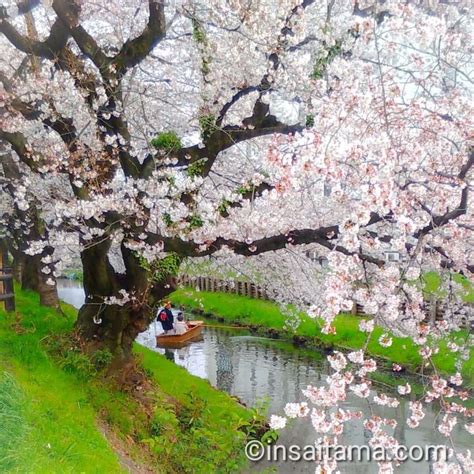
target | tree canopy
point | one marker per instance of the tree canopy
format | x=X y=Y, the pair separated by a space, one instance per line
x=167 y=131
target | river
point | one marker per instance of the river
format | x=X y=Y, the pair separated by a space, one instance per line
x=254 y=369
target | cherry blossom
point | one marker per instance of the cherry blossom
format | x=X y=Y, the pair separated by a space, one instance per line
x=277 y=422
x=320 y=149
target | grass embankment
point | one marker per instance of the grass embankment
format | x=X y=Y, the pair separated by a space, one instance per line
x=267 y=317
x=58 y=414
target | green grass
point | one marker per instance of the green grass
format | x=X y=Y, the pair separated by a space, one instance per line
x=56 y=429
x=432 y=285
x=266 y=314
x=210 y=435
x=12 y=421
x=51 y=406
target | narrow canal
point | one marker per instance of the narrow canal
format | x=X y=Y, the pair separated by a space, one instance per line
x=258 y=369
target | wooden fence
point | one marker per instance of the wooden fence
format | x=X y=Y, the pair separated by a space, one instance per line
x=243 y=288
x=435 y=310
x=7 y=295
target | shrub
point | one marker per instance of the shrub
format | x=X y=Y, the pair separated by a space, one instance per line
x=167 y=141
x=101 y=359
x=77 y=363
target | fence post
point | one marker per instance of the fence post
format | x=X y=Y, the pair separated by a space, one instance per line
x=7 y=296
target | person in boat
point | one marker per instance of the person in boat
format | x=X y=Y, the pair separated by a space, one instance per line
x=166 y=318
x=180 y=326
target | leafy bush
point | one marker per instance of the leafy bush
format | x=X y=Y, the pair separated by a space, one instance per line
x=195 y=221
x=77 y=363
x=161 y=268
x=196 y=168
x=309 y=120
x=326 y=57
x=168 y=141
x=257 y=427
x=101 y=359
x=77 y=275
x=198 y=33
x=207 y=123
x=191 y=415
x=164 y=421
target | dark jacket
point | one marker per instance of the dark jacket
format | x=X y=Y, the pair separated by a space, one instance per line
x=165 y=317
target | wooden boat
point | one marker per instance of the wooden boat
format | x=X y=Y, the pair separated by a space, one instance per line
x=194 y=331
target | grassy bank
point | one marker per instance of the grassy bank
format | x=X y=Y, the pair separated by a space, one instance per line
x=60 y=415
x=267 y=317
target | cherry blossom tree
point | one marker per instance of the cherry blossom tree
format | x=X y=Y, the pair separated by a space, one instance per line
x=161 y=132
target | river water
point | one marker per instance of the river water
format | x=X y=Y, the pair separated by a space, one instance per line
x=256 y=369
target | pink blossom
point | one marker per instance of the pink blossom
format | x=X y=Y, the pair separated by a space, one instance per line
x=296 y=410
x=447 y=424
x=361 y=390
x=404 y=389
x=456 y=379
x=357 y=357
x=277 y=422
x=337 y=361
x=385 y=340
x=366 y=325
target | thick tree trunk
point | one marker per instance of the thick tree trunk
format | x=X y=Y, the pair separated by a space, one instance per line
x=34 y=278
x=113 y=326
x=30 y=270
x=29 y=276
x=48 y=293
x=18 y=266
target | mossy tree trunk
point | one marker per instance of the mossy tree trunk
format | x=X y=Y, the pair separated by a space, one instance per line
x=18 y=266
x=115 y=326
x=33 y=277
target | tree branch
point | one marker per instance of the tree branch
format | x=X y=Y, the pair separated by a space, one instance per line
x=68 y=12
x=439 y=221
x=18 y=142
x=135 y=50
x=48 y=49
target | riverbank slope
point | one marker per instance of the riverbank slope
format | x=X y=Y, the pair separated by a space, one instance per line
x=266 y=317
x=60 y=414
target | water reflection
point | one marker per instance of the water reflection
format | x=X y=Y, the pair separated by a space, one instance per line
x=71 y=292
x=254 y=368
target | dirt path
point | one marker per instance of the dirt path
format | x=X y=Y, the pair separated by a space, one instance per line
x=120 y=447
